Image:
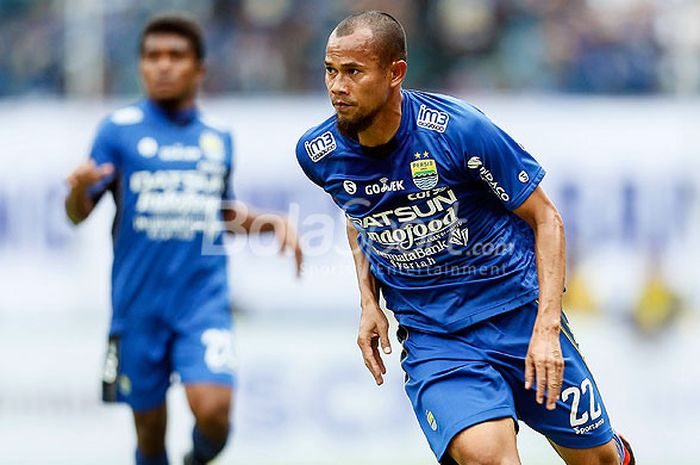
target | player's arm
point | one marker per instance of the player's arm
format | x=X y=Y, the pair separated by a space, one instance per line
x=374 y=325
x=544 y=364
x=240 y=219
x=80 y=201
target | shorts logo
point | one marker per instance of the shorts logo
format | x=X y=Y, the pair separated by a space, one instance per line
x=432 y=119
x=218 y=355
x=124 y=385
x=431 y=420
x=320 y=146
x=424 y=171
x=523 y=177
x=147 y=147
x=350 y=187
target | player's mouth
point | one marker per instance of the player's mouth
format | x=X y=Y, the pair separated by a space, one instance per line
x=340 y=106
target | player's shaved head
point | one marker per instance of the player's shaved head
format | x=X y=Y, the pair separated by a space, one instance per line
x=388 y=36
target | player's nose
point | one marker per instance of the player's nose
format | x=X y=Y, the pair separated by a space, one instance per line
x=338 y=85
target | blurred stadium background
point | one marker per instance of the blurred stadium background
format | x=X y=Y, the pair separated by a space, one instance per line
x=603 y=92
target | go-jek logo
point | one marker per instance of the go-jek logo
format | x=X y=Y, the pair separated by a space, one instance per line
x=384 y=185
x=475 y=163
x=432 y=119
x=320 y=146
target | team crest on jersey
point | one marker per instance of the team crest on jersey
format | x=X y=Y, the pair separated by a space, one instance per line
x=430 y=118
x=424 y=171
x=320 y=146
x=212 y=146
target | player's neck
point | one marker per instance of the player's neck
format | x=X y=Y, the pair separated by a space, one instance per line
x=176 y=105
x=385 y=124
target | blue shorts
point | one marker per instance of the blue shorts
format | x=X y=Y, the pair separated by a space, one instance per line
x=142 y=358
x=458 y=380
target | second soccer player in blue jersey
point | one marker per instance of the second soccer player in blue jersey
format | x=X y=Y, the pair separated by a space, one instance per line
x=468 y=252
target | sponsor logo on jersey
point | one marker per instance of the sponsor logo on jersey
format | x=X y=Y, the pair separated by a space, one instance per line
x=475 y=163
x=127 y=116
x=212 y=146
x=432 y=119
x=350 y=187
x=147 y=147
x=424 y=171
x=431 y=420
x=523 y=177
x=320 y=146
x=384 y=185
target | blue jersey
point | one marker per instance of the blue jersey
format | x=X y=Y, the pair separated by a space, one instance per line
x=433 y=210
x=171 y=174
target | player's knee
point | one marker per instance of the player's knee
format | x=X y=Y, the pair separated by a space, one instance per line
x=213 y=416
x=483 y=454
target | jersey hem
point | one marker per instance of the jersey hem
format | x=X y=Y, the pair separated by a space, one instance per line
x=481 y=315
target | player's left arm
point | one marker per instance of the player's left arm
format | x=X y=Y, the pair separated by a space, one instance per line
x=241 y=219
x=544 y=364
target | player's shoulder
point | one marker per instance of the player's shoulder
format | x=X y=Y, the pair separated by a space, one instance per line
x=319 y=142
x=111 y=125
x=126 y=116
x=443 y=113
x=214 y=124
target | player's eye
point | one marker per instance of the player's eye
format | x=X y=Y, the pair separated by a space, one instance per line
x=353 y=71
x=330 y=70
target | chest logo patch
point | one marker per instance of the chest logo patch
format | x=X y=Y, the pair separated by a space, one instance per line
x=424 y=171
x=147 y=147
x=320 y=146
x=212 y=146
x=430 y=118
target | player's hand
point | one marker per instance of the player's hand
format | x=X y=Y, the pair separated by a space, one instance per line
x=88 y=174
x=544 y=365
x=288 y=240
x=374 y=331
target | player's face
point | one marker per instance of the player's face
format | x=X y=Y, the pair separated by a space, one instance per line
x=359 y=85
x=170 y=69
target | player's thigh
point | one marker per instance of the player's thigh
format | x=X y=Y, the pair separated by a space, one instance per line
x=490 y=442
x=580 y=420
x=605 y=454
x=143 y=366
x=451 y=389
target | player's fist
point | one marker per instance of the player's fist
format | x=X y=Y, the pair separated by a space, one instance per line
x=88 y=174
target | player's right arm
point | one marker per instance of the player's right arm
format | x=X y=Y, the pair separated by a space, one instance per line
x=374 y=325
x=90 y=179
x=79 y=201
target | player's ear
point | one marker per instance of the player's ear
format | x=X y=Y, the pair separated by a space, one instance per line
x=398 y=72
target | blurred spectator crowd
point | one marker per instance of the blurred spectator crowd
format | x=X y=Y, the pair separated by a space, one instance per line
x=569 y=46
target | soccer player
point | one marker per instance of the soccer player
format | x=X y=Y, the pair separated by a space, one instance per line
x=467 y=251
x=167 y=168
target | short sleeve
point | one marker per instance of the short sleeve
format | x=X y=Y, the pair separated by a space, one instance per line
x=504 y=167
x=229 y=193
x=104 y=150
x=308 y=166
